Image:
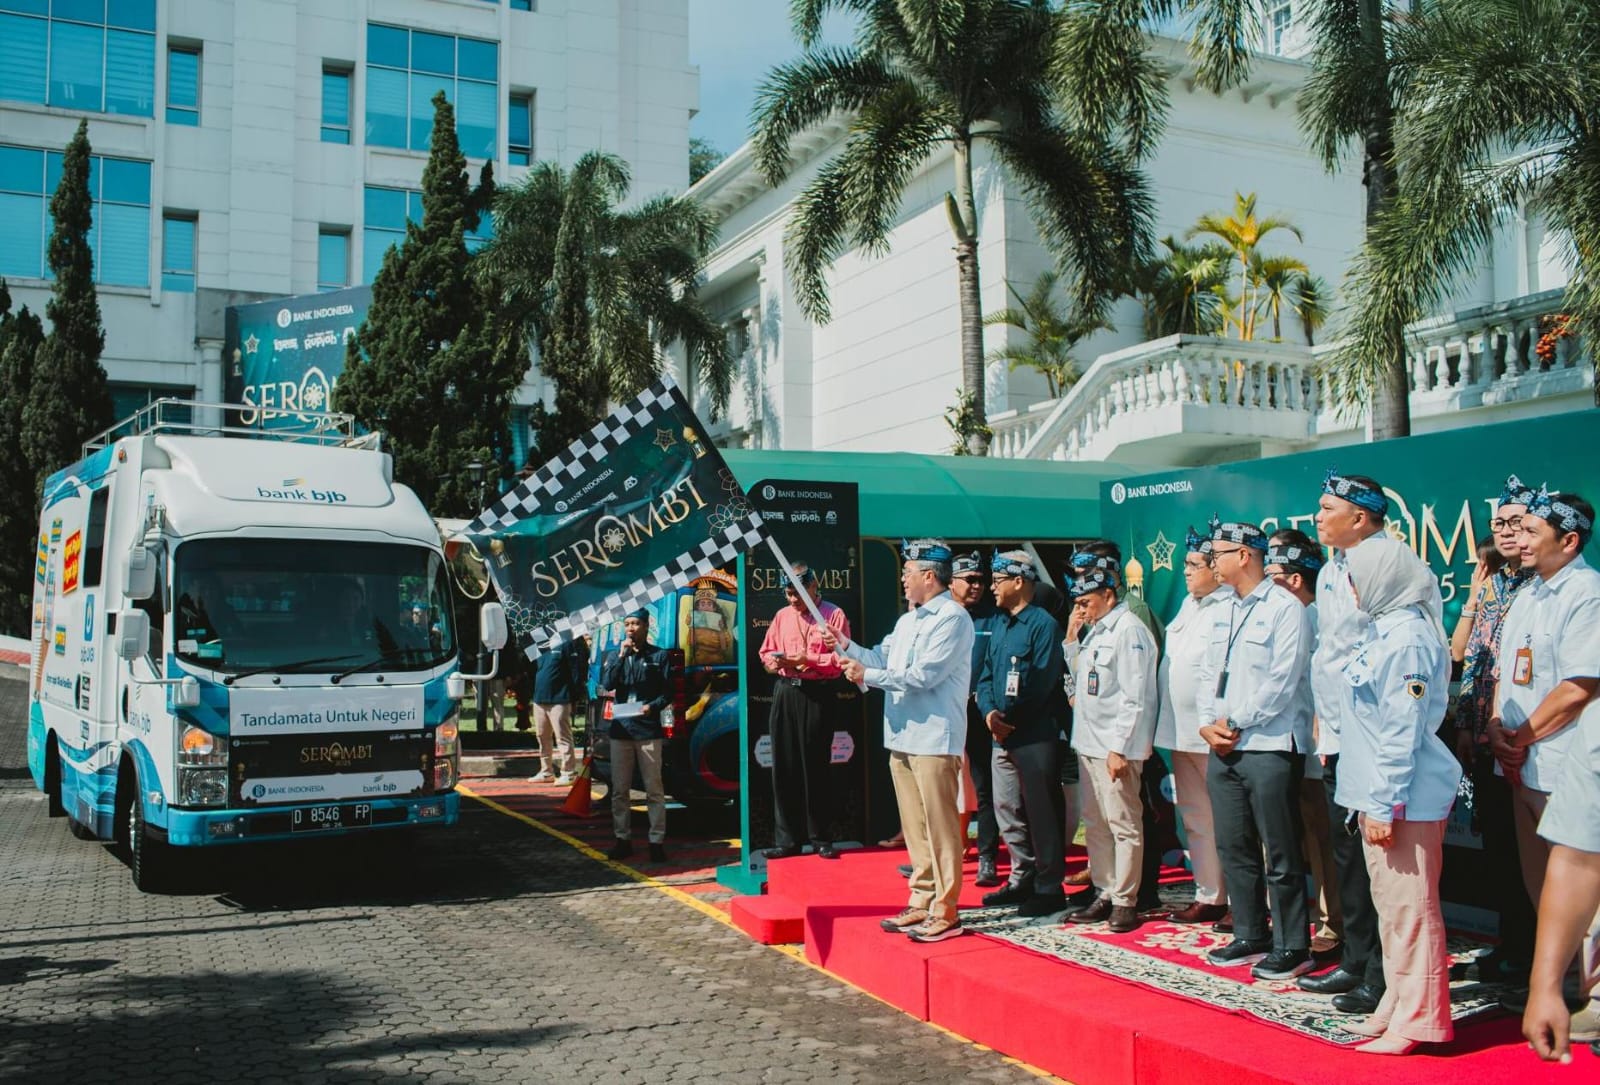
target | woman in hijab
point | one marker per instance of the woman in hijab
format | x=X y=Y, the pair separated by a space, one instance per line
x=1400 y=780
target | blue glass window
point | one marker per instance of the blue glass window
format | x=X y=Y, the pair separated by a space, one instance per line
x=119 y=238
x=519 y=130
x=521 y=5
x=183 y=85
x=333 y=260
x=406 y=68
x=386 y=211
x=86 y=55
x=335 y=106
x=177 y=253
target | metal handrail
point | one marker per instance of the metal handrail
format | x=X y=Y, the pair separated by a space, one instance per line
x=162 y=416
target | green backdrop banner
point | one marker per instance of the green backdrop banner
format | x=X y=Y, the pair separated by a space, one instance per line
x=286 y=355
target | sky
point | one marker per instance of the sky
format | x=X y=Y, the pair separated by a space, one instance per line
x=735 y=43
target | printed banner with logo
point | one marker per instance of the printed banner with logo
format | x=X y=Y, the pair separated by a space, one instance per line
x=286 y=356
x=636 y=508
x=1442 y=491
x=817 y=523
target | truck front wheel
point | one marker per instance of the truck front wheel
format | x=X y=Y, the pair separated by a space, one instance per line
x=149 y=860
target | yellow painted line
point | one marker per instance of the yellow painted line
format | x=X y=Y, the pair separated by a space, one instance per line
x=793 y=952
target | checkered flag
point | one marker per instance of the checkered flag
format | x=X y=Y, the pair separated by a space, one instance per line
x=635 y=509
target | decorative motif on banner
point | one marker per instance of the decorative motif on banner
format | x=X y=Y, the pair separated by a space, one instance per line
x=1161 y=552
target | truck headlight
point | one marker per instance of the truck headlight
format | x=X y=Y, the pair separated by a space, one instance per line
x=202 y=787
x=199 y=748
x=447 y=753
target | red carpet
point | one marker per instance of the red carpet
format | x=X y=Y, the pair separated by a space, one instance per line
x=1093 y=1029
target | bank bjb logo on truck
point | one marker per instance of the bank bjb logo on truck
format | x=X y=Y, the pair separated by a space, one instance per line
x=295 y=489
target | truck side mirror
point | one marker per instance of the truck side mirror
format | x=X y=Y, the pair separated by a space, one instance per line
x=139 y=573
x=133 y=635
x=186 y=693
x=492 y=632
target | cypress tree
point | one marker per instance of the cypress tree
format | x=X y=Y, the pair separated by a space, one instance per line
x=68 y=401
x=431 y=367
x=21 y=335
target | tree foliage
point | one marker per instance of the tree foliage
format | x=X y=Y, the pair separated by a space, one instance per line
x=703 y=158
x=21 y=333
x=1053 y=329
x=1184 y=291
x=68 y=399
x=432 y=366
x=603 y=292
x=1242 y=232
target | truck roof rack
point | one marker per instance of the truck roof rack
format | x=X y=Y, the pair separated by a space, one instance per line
x=184 y=416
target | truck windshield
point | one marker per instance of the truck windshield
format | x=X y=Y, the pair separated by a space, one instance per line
x=287 y=604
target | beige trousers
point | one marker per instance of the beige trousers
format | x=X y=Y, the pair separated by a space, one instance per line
x=927 y=789
x=624 y=752
x=1113 y=828
x=1533 y=850
x=1416 y=960
x=555 y=738
x=1194 y=807
x=1318 y=845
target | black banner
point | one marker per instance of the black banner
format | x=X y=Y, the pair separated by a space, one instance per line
x=319 y=753
x=817 y=523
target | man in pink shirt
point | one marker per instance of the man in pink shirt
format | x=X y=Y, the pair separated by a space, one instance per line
x=805 y=689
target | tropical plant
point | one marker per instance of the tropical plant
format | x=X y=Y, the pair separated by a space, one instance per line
x=602 y=292
x=1184 y=290
x=1274 y=279
x=431 y=366
x=928 y=75
x=1242 y=232
x=967 y=425
x=1308 y=299
x=703 y=158
x=1497 y=113
x=1053 y=331
x=68 y=398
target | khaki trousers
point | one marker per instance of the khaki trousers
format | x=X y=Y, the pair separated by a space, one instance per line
x=555 y=738
x=1318 y=842
x=1113 y=828
x=1416 y=961
x=1194 y=807
x=927 y=789
x=624 y=752
x=1533 y=850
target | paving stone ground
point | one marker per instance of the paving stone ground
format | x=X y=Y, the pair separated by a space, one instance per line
x=487 y=953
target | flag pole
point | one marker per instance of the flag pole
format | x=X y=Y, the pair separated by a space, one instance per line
x=800 y=589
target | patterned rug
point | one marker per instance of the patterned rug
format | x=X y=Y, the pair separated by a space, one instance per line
x=1170 y=957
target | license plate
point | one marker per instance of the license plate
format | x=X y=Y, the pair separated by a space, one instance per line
x=346 y=816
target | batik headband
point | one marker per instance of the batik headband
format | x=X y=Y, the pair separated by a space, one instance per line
x=1243 y=534
x=1092 y=581
x=807 y=577
x=1197 y=543
x=967 y=564
x=1516 y=492
x=925 y=550
x=1295 y=557
x=1560 y=515
x=1360 y=494
x=1004 y=566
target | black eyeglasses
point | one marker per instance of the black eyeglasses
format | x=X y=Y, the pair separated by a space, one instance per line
x=1231 y=550
x=1509 y=523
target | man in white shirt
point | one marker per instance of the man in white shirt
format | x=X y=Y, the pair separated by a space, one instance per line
x=1253 y=692
x=1113 y=731
x=924 y=667
x=1549 y=678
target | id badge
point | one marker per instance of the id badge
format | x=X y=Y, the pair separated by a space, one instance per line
x=1013 y=683
x=1522 y=667
x=1092 y=683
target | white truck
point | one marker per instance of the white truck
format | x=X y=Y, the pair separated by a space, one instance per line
x=240 y=635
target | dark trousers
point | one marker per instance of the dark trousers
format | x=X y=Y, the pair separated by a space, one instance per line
x=1362 y=952
x=802 y=747
x=1501 y=862
x=980 y=754
x=1156 y=828
x=1030 y=812
x=1255 y=803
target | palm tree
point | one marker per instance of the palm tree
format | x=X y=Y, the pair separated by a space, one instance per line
x=926 y=75
x=1472 y=147
x=1183 y=291
x=1275 y=278
x=1242 y=232
x=1052 y=333
x=602 y=292
x=1308 y=299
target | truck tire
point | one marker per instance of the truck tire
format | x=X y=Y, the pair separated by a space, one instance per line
x=149 y=860
x=52 y=779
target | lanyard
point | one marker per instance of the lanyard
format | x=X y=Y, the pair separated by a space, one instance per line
x=1234 y=629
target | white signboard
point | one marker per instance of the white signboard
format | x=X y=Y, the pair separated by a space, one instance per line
x=348 y=708
x=339 y=785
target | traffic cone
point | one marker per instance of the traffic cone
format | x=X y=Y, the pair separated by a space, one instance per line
x=577 y=802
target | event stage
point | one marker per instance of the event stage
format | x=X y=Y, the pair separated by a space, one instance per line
x=1100 y=1016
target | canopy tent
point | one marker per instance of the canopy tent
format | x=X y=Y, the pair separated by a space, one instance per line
x=966 y=497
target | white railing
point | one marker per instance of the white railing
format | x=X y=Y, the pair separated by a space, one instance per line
x=1202 y=389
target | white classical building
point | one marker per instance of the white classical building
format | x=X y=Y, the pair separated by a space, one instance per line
x=247 y=149
x=882 y=372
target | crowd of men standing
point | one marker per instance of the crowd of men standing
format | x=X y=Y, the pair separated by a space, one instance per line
x=1302 y=691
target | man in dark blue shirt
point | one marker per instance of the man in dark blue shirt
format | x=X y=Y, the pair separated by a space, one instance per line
x=640 y=675
x=557 y=677
x=1021 y=699
x=969 y=587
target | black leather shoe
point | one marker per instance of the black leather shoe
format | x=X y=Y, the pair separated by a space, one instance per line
x=620 y=850
x=988 y=876
x=1225 y=924
x=1336 y=982
x=658 y=853
x=827 y=851
x=1042 y=904
x=1098 y=911
x=787 y=852
x=1363 y=1000
x=1011 y=894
